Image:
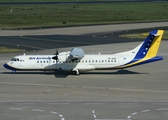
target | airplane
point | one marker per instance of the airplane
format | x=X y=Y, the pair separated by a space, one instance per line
x=76 y=61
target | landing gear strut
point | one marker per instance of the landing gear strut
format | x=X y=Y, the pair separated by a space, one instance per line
x=13 y=71
x=75 y=72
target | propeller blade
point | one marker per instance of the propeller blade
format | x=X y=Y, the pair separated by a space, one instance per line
x=56 y=55
x=57 y=51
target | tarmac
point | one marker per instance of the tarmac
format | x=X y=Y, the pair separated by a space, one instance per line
x=135 y=93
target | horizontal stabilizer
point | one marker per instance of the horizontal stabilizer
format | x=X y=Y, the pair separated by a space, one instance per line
x=155 y=35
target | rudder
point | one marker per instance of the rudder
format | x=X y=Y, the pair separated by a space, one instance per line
x=154 y=47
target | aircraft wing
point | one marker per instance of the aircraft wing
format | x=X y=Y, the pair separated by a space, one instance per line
x=76 y=53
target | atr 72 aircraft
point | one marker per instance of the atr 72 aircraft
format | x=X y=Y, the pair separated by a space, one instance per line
x=76 y=61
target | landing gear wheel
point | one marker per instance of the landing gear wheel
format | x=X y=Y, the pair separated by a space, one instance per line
x=13 y=71
x=75 y=72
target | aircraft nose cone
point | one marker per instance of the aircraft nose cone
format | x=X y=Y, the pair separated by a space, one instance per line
x=7 y=66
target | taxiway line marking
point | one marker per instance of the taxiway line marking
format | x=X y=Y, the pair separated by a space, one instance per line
x=49 y=85
x=16 y=108
x=113 y=119
x=163 y=109
x=134 y=113
x=94 y=103
x=145 y=111
x=37 y=110
x=23 y=103
x=53 y=112
x=58 y=103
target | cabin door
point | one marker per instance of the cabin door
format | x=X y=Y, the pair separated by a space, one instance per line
x=49 y=61
x=121 y=60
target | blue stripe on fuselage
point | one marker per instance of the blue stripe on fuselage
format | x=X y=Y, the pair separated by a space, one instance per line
x=9 y=67
x=157 y=58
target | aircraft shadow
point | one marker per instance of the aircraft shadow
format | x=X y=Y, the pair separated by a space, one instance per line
x=63 y=74
x=112 y=72
x=57 y=74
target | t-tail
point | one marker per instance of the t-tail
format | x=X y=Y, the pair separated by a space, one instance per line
x=147 y=51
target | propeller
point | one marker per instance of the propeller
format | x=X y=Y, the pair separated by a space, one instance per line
x=56 y=55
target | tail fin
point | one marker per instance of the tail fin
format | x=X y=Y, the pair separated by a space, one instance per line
x=151 y=45
x=147 y=51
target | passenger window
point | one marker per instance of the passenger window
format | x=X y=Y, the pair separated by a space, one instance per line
x=37 y=61
x=44 y=61
x=111 y=60
x=86 y=61
x=96 y=61
x=102 y=60
x=108 y=60
x=93 y=61
x=41 y=61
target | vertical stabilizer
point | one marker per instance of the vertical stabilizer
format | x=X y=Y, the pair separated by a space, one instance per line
x=147 y=51
x=151 y=45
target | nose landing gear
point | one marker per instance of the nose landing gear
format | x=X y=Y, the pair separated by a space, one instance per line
x=13 y=71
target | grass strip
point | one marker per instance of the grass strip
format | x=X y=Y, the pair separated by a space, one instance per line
x=59 y=0
x=21 y=16
x=9 y=50
x=143 y=35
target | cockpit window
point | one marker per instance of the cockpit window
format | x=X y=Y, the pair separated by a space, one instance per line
x=12 y=59
x=15 y=59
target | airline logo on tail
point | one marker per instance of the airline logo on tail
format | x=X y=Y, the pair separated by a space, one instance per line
x=148 y=50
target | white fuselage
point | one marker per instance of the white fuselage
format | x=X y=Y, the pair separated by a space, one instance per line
x=88 y=62
x=75 y=60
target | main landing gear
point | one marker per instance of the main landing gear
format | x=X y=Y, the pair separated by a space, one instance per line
x=75 y=72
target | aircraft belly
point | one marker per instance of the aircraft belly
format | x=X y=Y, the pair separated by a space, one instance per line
x=65 y=68
x=85 y=67
x=101 y=66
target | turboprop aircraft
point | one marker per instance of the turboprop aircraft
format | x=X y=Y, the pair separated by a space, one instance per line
x=76 y=61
